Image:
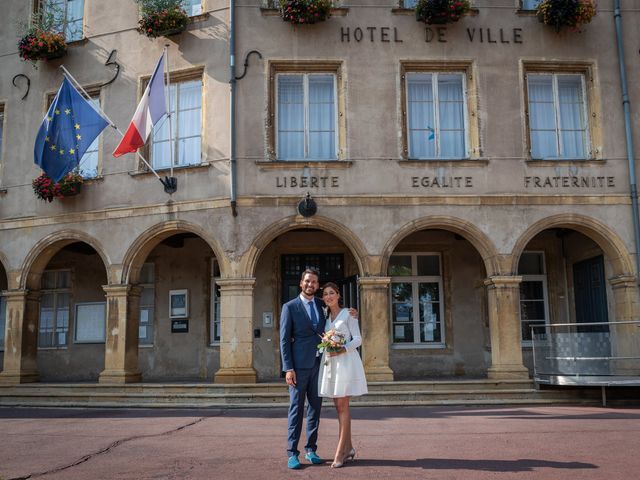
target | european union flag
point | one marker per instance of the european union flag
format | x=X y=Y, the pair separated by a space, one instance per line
x=67 y=131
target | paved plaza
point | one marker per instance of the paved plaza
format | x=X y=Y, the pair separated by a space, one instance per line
x=414 y=442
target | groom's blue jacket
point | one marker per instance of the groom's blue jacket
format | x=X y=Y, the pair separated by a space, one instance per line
x=298 y=338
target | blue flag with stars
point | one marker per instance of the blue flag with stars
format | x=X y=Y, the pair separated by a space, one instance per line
x=67 y=131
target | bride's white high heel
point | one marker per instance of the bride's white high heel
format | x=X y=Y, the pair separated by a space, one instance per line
x=350 y=456
x=347 y=457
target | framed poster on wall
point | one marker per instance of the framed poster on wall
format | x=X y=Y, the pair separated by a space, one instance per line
x=90 y=322
x=178 y=303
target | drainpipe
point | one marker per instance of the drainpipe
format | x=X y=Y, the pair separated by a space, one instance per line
x=232 y=120
x=617 y=16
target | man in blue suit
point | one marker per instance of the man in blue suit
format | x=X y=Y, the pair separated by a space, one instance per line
x=302 y=324
x=301 y=327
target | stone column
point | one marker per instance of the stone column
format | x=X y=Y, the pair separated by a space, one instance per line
x=121 y=346
x=625 y=338
x=374 y=324
x=236 y=331
x=21 y=337
x=503 y=294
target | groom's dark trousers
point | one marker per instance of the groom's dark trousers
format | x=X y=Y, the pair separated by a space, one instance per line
x=306 y=387
x=299 y=337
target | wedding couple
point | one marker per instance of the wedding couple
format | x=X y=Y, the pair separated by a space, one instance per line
x=335 y=373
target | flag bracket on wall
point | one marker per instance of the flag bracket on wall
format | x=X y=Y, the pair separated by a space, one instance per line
x=170 y=184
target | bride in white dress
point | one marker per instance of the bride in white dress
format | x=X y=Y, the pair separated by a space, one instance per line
x=341 y=373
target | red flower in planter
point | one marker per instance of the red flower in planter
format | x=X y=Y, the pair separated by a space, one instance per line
x=305 y=11
x=566 y=13
x=163 y=22
x=45 y=189
x=441 y=11
x=42 y=45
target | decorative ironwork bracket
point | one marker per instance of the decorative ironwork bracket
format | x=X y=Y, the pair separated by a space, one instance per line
x=22 y=75
x=112 y=61
x=246 y=63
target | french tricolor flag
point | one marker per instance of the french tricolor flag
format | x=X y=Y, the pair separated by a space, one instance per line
x=151 y=109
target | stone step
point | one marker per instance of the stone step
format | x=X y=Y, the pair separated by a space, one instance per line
x=175 y=388
x=283 y=405
x=271 y=396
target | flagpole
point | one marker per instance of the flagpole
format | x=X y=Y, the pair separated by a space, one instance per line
x=66 y=73
x=167 y=99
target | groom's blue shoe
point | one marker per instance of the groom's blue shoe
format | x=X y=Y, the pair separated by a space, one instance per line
x=293 y=462
x=313 y=458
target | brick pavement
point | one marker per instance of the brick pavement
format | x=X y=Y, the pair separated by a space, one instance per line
x=415 y=442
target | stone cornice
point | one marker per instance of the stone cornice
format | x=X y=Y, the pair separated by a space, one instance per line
x=623 y=281
x=503 y=281
x=122 y=290
x=329 y=200
x=243 y=285
x=374 y=282
x=13 y=294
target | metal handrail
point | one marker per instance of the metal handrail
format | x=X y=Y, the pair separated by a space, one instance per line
x=580 y=324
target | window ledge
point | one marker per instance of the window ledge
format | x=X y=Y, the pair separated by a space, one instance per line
x=275 y=12
x=403 y=11
x=412 y=11
x=554 y=163
x=525 y=13
x=418 y=346
x=199 y=18
x=52 y=348
x=199 y=166
x=92 y=180
x=285 y=164
x=3 y=191
x=145 y=346
x=214 y=345
x=77 y=43
x=462 y=162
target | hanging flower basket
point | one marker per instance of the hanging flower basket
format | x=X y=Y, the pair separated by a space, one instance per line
x=47 y=189
x=305 y=12
x=42 y=45
x=162 y=23
x=441 y=11
x=566 y=13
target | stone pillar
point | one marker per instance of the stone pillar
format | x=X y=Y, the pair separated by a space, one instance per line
x=21 y=337
x=503 y=294
x=625 y=338
x=121 y=346
x=236 y=331
x=374 y=324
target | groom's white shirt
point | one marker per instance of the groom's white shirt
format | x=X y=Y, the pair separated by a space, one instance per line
x=307 y=304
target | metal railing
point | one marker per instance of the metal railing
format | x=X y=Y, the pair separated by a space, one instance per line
x=587 y=354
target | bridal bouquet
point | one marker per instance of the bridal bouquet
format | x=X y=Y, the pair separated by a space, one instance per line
x=332 y=341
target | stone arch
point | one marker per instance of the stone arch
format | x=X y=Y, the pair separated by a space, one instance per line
x=470 y=232
x=43 y=251
x=605 y=237
x=353 y=243
x=4 y=273
x=148 y=240
x=4 y=262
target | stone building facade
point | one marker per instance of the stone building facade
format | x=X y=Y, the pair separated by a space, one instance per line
x=471 y=180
